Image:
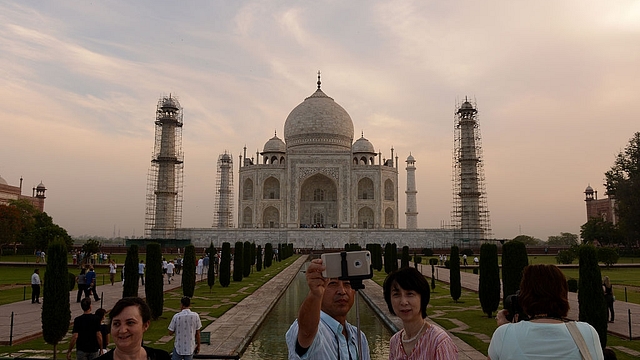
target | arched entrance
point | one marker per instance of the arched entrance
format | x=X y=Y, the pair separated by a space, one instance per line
x=318 y=202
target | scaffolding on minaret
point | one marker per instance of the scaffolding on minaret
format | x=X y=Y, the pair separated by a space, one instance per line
x=470 y=214
x=223 y=209
x=164 y=179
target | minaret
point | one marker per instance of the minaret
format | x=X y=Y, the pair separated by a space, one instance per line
x=470 y=213
x=164 y=182
x=223 y=213
x=412 y=204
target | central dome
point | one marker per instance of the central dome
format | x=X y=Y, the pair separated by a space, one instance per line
x=319 y=122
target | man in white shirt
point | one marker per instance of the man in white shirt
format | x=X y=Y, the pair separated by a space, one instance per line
x=112 y=271
x=35 y=286
x=186 y=326
x=170 y=268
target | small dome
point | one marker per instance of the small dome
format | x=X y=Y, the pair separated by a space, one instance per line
x=170 y=102
x=589 y=189
x=466 y=105
x=410 y=158
x=3 y=181
x=362 y=145
x=41 y=186
x=275 y=144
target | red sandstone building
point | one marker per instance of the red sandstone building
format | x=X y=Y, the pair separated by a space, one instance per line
x=9 y=192
x=600 y=208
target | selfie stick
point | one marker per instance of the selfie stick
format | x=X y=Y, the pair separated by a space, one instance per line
x=356 y=284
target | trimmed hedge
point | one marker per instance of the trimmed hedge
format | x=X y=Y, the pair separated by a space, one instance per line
x=225 y=265
x=489 y=283
x=154 y=280
x=455 y=288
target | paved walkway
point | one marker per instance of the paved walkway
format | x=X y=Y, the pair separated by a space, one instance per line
x=27 y=317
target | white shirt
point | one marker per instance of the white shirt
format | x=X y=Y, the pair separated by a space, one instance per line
x=170 y=267
x=184 y=324
x=112 y=268
x=35 y=279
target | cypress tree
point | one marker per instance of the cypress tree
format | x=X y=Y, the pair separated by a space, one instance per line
x=378 y=256
x=253 y=254
x=268 y=255
x=279 y=257
x=433 y=262
x=489 y=283
x=591 y=301
x=130 y=286
x=404 y=261
x=246 y=259
x=56 y=313
x=394 y=256
x=225 y=265
x=259 y=258
x=154 y=280
x=388 y=252
x=211 y=273
x=455 y=287
x=237 y=262
x=189 y=271
x=514 y=260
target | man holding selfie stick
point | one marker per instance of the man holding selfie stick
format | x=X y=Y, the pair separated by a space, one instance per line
x=321 y=331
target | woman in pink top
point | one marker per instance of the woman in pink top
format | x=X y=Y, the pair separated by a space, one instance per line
x=407 y=294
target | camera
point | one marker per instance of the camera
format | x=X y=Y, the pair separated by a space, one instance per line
x=347 y=265
x=512 y=304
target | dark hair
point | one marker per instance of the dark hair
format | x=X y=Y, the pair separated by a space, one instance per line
x=544 y=291
x=408 y=278
x=609 y=354
x=100 y=313
x=185 y=301
x=85 y=304
x=83 y=271
x=123 y=303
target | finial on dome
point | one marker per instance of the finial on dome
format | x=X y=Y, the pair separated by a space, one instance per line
x=362 y=133
x=319 y=82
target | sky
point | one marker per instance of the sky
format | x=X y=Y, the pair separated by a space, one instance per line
x=555 y=83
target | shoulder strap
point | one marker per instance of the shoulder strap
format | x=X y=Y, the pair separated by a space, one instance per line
x=579 y=340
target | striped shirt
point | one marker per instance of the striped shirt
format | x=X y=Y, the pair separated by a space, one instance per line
x=329 y=342
x=185 y=324
x=434 y=343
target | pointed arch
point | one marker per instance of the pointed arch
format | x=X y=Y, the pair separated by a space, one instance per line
x=271 y=188
x=247 y=189
x=365 y=189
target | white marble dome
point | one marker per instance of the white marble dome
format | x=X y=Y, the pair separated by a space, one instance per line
x=275 y=144
x=319 y=122
x=363 y=145
x=3 y=181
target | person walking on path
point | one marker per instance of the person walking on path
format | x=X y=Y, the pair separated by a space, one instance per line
x=91 y=283
x=608 y=296
x=186 y=326
x=170 y=268
x=35 y=286
x=86 y=333
x=141 y=271
x=321 y=331
x=464 y=260
x=112 y=271
x=81 y=279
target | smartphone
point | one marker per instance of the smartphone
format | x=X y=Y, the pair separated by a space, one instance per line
x=358 y=265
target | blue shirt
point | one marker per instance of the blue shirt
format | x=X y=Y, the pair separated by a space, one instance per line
x=329 y=343
x=89 y=277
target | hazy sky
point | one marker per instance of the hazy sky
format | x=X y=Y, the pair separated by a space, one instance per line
x=556 y=85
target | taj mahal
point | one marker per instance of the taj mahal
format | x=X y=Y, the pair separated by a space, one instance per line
x=315 y=188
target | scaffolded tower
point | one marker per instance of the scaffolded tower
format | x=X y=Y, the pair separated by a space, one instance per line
x=164 y=180
x=223 y=213
x=470 y=215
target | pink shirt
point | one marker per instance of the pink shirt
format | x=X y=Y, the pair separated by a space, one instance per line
x=434 y=343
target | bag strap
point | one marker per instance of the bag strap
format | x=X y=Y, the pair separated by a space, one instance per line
x=579 y=340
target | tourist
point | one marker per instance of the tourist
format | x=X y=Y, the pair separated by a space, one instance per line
x=186 y=326
x=86 y=333
x=81 y=279
x=112 y=271
x=130 y=317
x=35 y=287
x=543 y=298
x=141 y=271
x=406 y=292
x=91 y=283
x=170 y=269
x=104 y=330
x=608 y=296
x=315 y=333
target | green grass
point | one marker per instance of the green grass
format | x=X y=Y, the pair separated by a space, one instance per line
x=209 y=304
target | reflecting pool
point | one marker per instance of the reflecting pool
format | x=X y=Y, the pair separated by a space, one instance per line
x=269 y=343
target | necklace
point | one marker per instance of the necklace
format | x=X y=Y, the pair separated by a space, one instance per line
x=415 y=337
